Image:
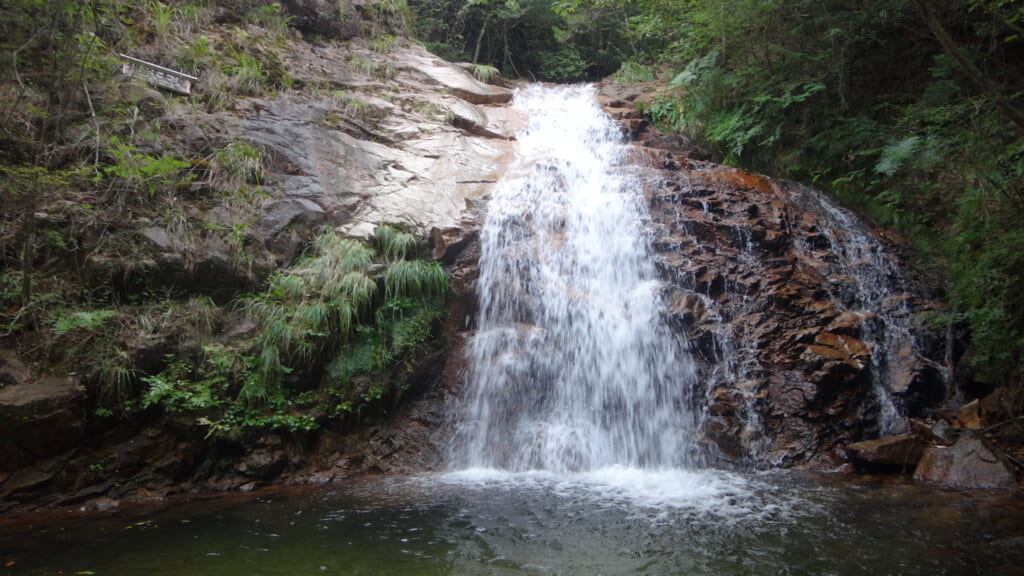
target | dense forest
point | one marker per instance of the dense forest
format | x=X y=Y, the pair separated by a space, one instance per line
x=909 y=111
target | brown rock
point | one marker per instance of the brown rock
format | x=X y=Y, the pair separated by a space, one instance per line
x=40 y=419
x=969 y=417
x=846 y=344
x=12 y=370
x=901 y=452
x=849 y=323
x=447 y=243
x=150 y=103
x=966 y=464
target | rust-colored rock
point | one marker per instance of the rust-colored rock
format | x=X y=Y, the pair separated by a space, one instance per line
x=893 y=453
x=969 y=417
x=768 y=276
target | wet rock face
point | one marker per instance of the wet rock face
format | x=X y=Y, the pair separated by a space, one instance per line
x=799 y=314
x=805 y=348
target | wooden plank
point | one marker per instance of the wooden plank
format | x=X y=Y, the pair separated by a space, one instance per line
x=158 y=75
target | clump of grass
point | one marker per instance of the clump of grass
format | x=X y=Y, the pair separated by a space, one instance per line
x=414 y=279
x=486 y=73
x=236 y=165
x=248 y=75
x=384 y=43
x=330 y=295
x=393 y=244
x=350 y=106
x=633 y=73
x=271 y=18
x=195 y=56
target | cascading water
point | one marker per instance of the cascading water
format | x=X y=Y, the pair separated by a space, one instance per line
x=879 y=289
x=572 y=367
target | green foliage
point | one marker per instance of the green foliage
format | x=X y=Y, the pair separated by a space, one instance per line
x=237 y=165
x=136 y=171
x=633 y=73
x=393 y=244
x=916 y=130
x=402 y=330
x=53 y=52
x=87 y=320
x=161 y=16
x=248 y=74
x=196 y=55
x=385 y=18
x=527 y=38
x=271 y=18
x=562 y=65
x=327 y=309
x=415 y=278
x=384 y=43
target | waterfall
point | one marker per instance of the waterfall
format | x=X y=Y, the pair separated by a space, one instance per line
x=573 y=367
x=879 y=289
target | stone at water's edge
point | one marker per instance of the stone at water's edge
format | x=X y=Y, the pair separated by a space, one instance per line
x=897 y=453
x=966 y=464
x=39 y=420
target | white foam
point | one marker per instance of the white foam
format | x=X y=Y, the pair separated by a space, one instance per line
x=714 y=492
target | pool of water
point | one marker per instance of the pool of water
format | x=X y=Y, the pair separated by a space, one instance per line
x=615 y=521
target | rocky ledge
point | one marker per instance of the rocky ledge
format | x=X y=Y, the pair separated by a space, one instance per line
x=806 y=323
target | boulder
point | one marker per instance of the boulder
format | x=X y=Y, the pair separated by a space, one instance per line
x=968 y=463
x=773 y=284
x=12 y=370
x=893 y=453
x=447 y=243
x=280 y=214
x=160 y=239
x=150 y=103
x=472 y=119
x=40 y=419
x=330 y=18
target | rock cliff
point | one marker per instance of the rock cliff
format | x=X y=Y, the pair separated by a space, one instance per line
x=357 y=137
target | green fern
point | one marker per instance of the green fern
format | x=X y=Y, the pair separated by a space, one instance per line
x=896 y=154
x=89 y=320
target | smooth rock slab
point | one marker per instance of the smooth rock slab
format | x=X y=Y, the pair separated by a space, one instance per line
x=902 y=452
x=966 y=464
x=451 y=77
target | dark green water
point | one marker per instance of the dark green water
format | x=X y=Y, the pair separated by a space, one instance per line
x=536 y=524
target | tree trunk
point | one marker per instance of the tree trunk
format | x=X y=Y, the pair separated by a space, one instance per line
x=980 y=80
x=479 y=42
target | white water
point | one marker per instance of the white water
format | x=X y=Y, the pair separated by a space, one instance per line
x=573 y=370
x=878 y=288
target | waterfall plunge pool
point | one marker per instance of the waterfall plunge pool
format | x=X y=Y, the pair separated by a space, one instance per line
x=574 y=369
x=476 y=522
